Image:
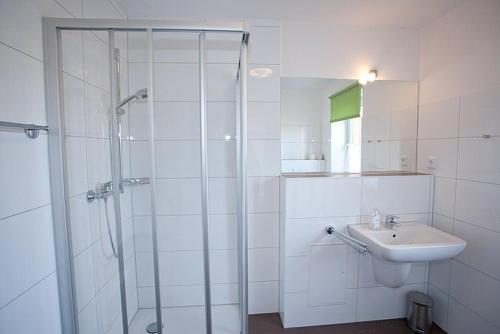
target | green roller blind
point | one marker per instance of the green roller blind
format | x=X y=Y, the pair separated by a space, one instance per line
x=345 y=104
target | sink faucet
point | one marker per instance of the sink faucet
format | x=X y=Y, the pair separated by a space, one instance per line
x=390 y=222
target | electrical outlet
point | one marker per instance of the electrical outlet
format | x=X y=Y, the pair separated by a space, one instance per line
x=431 y=162
x=405 y=161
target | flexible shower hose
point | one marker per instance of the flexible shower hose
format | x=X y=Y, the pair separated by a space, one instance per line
x=109 y=228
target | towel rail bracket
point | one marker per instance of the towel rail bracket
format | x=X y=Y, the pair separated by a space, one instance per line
x=353 y=242
x=31 y=131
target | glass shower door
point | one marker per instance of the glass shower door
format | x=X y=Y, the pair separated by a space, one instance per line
x=152 y=151
x=101 y=230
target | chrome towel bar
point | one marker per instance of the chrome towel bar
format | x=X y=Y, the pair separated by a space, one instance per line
x=354 y=243
x=31 y=130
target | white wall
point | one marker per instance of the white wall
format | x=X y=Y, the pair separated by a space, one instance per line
x=322 y=50
x=460 y=81
x=263 y=169
x=29 y=298
x=324 y=281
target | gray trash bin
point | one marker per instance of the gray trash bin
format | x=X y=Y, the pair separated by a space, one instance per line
x=419 y=313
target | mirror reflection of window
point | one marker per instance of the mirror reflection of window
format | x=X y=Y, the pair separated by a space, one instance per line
x=345 y=132
x=378 y=134
x=346 y=146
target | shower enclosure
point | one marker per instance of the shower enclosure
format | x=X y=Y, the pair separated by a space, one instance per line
x=147 y=148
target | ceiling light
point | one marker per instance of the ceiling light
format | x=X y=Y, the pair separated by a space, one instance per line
x=368 y=77
x=372 y=75
x=261 y=72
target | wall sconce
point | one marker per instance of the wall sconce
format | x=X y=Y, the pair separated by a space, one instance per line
x=261 y=72
x=368 y=77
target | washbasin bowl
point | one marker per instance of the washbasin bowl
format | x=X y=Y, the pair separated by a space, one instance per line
x=394 y=250
x=410 y=242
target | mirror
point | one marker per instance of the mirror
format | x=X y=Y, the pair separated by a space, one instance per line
x=339 y=126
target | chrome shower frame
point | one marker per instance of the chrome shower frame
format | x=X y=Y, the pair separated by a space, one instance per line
x=52 y=28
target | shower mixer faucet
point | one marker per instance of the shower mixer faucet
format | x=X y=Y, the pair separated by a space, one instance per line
x=103 y=190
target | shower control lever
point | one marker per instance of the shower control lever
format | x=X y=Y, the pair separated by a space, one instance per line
x=102 y=190
x=105 y=189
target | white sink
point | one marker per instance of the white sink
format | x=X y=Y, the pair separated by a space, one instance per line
x=410 y=242
x=394 y=250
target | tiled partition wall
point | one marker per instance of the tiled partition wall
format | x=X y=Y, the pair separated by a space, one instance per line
x=324 y=281
x=178 y=169
x=29 y=298
x=263 y=170
x=459 y=106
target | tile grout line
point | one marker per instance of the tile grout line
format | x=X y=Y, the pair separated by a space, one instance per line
x=473 y=311
x=22 y=52
x=26 y=290
x=25 y=211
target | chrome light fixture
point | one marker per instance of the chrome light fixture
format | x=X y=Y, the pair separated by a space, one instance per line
x=368 y=77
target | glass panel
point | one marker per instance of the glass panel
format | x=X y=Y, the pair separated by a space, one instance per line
x=139 y=182
x=124 y=119
x=177 y=149
x=222 y=68
x=86 y=95
x=88 y=117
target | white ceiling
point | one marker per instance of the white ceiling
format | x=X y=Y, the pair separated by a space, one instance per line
x=376 y=13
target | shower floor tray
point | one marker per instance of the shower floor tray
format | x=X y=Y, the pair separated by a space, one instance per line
x=189 y=320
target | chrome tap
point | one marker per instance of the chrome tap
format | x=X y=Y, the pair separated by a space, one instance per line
x=390 y=222
x=102 y=190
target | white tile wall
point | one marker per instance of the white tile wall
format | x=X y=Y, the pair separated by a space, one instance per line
x=328 y=197
x=264 y=120
x=438 y=119
x=476 y=290
x=22 y=87
x=479 y=159
x=443 y=152
x=439 y=275
x=476 y=203
x=462 y=320
x=482 y=248
x=454 y=115
x=74 y=105
x=479 y=114
x=440 y=307
x=394 y=305
x=177 y=120
x=313 y=262
x=14 y=150
x=31 y=302
x=34 y=311
x=28 y=248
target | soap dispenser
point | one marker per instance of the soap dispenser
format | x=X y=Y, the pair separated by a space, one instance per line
x=375 y=222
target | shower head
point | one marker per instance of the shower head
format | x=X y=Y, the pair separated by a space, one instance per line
x=140 y=94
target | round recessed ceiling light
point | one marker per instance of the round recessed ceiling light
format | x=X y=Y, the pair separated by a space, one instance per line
x=261 y=72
